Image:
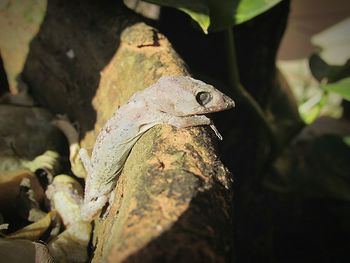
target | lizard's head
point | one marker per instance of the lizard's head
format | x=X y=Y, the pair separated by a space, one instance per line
x=184 y=96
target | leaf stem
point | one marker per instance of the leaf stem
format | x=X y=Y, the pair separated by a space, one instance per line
x=242 y=96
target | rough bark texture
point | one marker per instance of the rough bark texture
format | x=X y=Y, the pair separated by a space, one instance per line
x=173 y=198
x=173 y=202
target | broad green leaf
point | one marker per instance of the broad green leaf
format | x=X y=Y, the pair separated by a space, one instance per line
x=247 y=9
x=202 y=19
x=220 y=14
x=341 y=87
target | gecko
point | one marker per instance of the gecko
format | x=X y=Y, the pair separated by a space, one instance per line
x=180 y=101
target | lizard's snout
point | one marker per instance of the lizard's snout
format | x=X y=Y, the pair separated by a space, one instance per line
x=228 y=102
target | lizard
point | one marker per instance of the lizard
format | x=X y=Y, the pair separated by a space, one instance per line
x=180 y=101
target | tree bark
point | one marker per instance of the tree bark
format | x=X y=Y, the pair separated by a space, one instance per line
x=173 y=200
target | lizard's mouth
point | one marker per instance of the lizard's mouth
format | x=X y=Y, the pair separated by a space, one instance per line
x=228 y=102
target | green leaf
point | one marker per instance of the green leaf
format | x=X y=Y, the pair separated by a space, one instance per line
x=202 y=19
x=219 y=14
x=341 y=87
x=247 y=9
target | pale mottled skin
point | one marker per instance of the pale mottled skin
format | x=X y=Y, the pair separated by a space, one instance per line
x=177 y=100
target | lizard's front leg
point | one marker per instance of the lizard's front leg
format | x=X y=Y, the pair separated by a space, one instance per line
x=188 y=121
x=196 y=120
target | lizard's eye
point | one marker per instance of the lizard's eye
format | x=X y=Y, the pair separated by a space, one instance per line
x=203 y=97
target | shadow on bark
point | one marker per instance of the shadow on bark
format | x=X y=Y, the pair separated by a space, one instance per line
x=203 y=233
x=76 y=41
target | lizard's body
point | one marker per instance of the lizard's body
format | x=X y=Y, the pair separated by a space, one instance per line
x=178 y=101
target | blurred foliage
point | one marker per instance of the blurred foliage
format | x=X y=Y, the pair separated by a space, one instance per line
x=323 y=71
x=332 y=79
x=341 y=87
x=311 y=109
